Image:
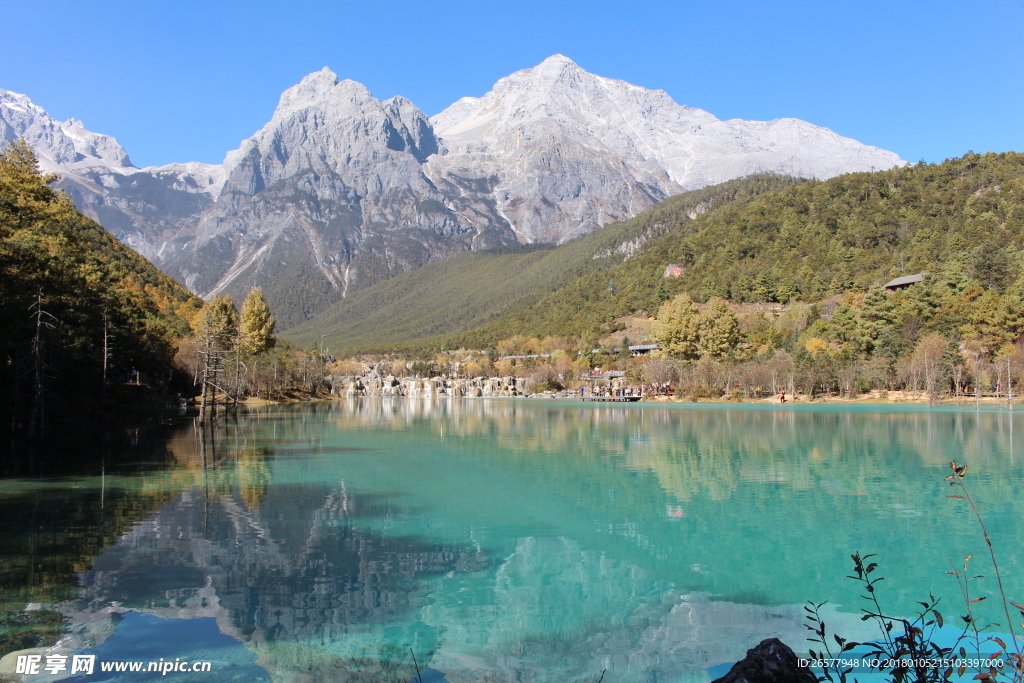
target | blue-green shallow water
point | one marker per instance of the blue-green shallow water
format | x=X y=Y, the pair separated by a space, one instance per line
x=544 y=541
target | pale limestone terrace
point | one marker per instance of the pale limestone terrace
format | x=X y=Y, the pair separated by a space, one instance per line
x=390 y=386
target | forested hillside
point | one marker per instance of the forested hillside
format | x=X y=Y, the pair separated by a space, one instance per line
x=420 y=308
x=79 y=311
x=963 y=218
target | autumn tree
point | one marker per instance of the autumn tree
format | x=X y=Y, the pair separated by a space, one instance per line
x=256 y=325
x=661 y=371
x=976 y=353
x=216 y=327
x=218 y=319
x=677 y=328
x=928 y=357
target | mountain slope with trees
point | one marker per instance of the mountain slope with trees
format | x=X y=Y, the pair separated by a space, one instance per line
x=807 y=242
x=80 y=313
x=472 y=289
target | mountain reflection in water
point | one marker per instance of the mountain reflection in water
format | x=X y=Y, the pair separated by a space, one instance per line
x=525 y=540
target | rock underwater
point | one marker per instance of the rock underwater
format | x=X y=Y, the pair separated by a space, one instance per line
x=770 y=661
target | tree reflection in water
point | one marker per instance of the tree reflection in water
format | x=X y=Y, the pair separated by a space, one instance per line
x=505 y=539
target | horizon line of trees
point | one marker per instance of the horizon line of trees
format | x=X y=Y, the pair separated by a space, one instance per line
x=951 y=333
x=948 y=333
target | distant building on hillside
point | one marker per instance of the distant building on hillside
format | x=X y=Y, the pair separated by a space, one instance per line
x=642 y=349
x=904 y=282
x=673 y=270
x=634 y=350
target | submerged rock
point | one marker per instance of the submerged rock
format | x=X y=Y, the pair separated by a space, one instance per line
x=770 y=661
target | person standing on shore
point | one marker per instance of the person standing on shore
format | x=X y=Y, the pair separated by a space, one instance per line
x=782 y=395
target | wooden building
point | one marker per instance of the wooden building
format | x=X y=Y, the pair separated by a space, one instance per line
x=904 y=282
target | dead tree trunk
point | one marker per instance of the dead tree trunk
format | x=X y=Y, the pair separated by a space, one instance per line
x=206 y=373
x=37 y=423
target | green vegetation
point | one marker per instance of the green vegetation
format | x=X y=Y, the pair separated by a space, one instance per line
x=758 y=239
x=681 y=331
x=964 y=217
x=945 y=334
x=79 y=311
x=763 y=245
x=421 y=309
x=913 y=650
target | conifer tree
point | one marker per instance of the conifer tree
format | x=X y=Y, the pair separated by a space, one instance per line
x=995 y=319
x=218 y=319
x=877 y=317
x=216 y=325
x=74 y=299
x=719 y=330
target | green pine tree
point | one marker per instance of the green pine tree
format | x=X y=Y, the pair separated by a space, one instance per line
x=877 y=317
x=719 y=330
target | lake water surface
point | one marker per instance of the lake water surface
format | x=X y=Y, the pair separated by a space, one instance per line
x=500 y=540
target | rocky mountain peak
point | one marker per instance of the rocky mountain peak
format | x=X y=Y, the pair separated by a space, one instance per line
x=549 y=132
x=321 y=89
x=547 y=81
x=329 y=125
x=554 y=67
x=16 y=102
x=61 y=145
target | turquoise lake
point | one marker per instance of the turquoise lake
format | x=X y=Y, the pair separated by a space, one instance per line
x=502 y=539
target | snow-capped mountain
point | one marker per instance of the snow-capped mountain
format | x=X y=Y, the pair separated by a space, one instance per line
x=598 y=149
x=339 y=190
x=60 y=145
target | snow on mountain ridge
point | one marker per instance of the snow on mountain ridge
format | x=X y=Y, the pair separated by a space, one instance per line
x=634 y=122
x=553 y=132
x=62 y=144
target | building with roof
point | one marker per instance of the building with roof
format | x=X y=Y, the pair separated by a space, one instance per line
x=904 y=282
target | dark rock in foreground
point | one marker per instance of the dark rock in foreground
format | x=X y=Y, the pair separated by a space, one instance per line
x=770 y=661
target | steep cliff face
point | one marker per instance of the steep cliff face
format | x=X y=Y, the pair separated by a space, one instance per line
x=340 y=190
x=329 y=195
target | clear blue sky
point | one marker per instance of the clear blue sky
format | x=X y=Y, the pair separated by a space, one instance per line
x=187 y=81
